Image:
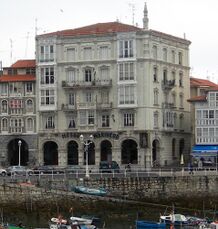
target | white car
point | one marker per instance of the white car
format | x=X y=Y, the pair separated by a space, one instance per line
x=18 y=170
x=3 y=172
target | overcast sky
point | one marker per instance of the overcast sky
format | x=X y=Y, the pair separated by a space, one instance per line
x=196 y=19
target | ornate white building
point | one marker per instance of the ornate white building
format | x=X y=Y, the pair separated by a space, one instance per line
x=127 y=86
x=18 y=114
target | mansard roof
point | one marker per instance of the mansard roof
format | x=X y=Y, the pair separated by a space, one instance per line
x=17 y=78
x=96 y=29
x=24 y=64
x=108 y=28
x=196 y=82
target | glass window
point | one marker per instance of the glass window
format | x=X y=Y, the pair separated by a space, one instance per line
x=71 y=54
x=87 y=53
x=104 y=52
x=126 y=71
x=47 y=97
x=126 y=49
x=29 y=87
x=155 y=119
x=4 y=124
x=47 y=75
x=88 y=75
x=4 y=106
x=91 y=118
x=72 y=99
x=29 y=124
x=164 y=54
x=128 y=119
x=127 y=94
x=105 y=120
x=50 y=122
x=104 y=73
x=72 y=123
x=46 y=53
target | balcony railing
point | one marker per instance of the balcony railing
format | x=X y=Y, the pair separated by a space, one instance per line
x=80 y=84
x=104 y=105
x=91 y=105
x=167 y=105
x=168 y=84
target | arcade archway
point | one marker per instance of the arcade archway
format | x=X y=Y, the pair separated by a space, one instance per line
x=106 y=151
x=129 y=152
x=50 y=150
x=13 y=152
x=156 y=153
x=72 y=153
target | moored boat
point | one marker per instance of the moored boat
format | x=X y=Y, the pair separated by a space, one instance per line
x=89 y=191
x=143 y=224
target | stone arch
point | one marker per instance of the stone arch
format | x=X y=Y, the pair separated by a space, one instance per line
x=50 y=152
x=72 y=153
x=106 y=151
x=173 y=148
x=129 y=152
x=13 y=152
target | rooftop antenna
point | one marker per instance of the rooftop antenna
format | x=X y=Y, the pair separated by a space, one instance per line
x=11 y=55
x=132 y=5
x=36 y=29
x=27 y=37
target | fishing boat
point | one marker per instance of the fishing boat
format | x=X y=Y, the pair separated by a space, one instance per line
x=142 y=224
x=175 y=219
x=89 y=191
x=72 y=223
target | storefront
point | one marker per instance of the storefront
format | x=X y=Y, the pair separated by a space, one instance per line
x=207 y=154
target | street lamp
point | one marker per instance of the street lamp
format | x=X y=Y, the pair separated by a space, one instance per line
x=19 y=145
x=86 y=144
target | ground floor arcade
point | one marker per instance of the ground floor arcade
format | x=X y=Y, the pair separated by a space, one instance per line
x=144 y=149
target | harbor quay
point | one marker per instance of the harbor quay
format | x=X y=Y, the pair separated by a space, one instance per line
x=185 y=191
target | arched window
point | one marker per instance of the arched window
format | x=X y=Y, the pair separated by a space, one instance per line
x=4 y=124
x=4 y=106
x=29 y=125
x=29 y=105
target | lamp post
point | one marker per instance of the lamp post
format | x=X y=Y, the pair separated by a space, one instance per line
x=182 y=163
x=86 y=144
x=19 y=146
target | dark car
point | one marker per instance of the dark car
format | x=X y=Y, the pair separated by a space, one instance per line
x=109 y=167
x=74 y=169
x=47 y=169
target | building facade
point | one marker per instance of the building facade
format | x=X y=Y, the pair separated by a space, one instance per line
x=126 y=86
x=18 y=114
x=206 y=125
x=198 y=87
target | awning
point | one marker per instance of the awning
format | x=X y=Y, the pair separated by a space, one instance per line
x=205 y=150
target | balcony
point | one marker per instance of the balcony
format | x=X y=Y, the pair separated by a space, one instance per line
x=84 y=84
x=68 y=107
x=168 y=84
x=167 y=105
x=103 y=106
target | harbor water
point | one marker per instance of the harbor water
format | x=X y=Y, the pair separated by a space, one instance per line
x=116 y=217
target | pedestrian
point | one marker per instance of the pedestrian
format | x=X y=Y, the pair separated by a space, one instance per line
x=191 y=168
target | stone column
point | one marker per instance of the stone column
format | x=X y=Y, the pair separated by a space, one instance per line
x=62 y=158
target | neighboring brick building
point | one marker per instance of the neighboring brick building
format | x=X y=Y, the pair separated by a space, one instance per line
x=18 y=113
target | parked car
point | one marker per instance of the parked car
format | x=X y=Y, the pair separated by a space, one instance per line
x=47 y=169
x=109 y=167
x=18 y=170
x=74 y=169
x=3 y=172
